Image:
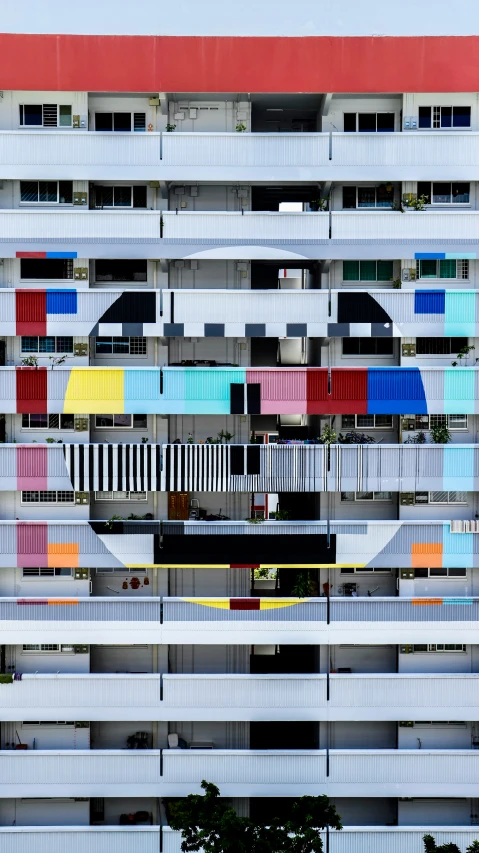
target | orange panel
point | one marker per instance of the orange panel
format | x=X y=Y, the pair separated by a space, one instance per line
x=63 y=554
x=426 y=555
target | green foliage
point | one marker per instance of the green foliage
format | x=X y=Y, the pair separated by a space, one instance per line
x=240 y=127
x=208 y=823
x=303 y=586
x=281 y=514
x=463 y=354
x=6 y=678
x=30 y=361
x=417 y=203
x=328 y=435
x=440 y=434
x=431 y=847
x=419 y=438
x=170 y=128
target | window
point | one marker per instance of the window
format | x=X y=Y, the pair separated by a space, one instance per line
x=46 y=115
x=457 y=723
x=369 y=122
x=351 y=497
x=353 y=571
x=440 y=346
x=440 y=192
x=120 y=196
x=368 y=271
x=368 y=346
x=46 y=192
x=121 y=270
x=120 y=496
x=439 y=647
x=120 y=346
x=439 y=118
x=47 y=647
x=443 y=269
x=48 y=422
x=50 y=343
x=451 y=421
x=440 y=498
x=120 y=122
x=120 y=421
x=51 y=497
x=367 y=421
x=440 y=573
x=47 y=573
x=354 y=197
x=42 y=268
x=27 y=723
x=121 y=570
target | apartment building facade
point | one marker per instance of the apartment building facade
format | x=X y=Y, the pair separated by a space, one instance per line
x=239 y=458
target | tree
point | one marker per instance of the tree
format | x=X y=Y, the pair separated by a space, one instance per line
x=431 y=847
x=208 y=823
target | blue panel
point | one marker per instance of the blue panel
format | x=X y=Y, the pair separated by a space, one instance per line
x=62 y=302
x=61 y=254
x=457 y=548
x=429 y=301
x=458 y=472
x=430 y=256
x=393 y=391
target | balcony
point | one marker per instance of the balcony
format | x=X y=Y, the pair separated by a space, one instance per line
x=240 y=391
x=241 y=697
x=242 y=313
x=81 y=773
x=272 y=544
x=359 y=839
x=245 y=468
x=352 y=773
x=374 y=234
x=83 y=839
x=240 y=157
x=220 y=621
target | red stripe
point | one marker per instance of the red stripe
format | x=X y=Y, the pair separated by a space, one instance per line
x=244 y=604
x=31 y=312
x=31 y=389
x=30 y=254
x=239 y=64
x=349 y=390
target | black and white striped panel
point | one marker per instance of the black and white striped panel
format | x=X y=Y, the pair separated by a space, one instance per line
x=196 y=468
x=113 y=467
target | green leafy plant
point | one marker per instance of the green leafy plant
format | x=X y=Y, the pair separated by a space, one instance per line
x=354 y=437
x=319 y=203
x=30 y=361
x=6 y=678
x=440 y=434
x=208 y=823
x=144 y=439
x=240 y=127
x=56 y=361
x=463 y=355
x=419 y=438
x=303 y=585
x=170 y=128
x=255 y=520
x=281 y=514
x=225 y=436
x=110 y=522
x=417 y=203
x=397 y=283
x=328 y=435
x=430 y=846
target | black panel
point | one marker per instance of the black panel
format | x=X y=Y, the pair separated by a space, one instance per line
x=237 y=459
x=237 y=398
x=360 y=308
x=253 y=398
x=132 y=308
x=255 y=330
x=212 y=549
x=253 y=456
x=214 y=330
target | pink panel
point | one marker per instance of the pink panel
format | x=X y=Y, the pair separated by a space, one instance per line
x=281 y=384
x=32 y=468
x=32 y=542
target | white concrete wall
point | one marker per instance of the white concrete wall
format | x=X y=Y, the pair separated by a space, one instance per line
x=223 y=350
x=341 y=104
x=11 y=507
x=435 y=736
x=10 y=101
x=123 y=658
x=209 y=582
x=211 y=197
x=47 y=662
x=209 y=274
x=13 y=583
x=44 y=812
x=434 y=812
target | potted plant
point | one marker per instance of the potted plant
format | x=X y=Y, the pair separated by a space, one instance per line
x=240 y=127
x=170 y=128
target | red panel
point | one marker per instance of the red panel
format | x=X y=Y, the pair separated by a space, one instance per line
x=349 y=391
x=31 y=389
x=239 y=64
x=31 y=312
x=30 y=254
x=244 y=603
x=32 y=544
x=317 y=400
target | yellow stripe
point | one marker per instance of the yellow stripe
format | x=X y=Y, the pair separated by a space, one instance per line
x=273 y=604
x=219 y=603
x=95 y=391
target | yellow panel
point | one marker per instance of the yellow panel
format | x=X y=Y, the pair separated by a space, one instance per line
x=95 y=391
x=220 y=603
x=272 y=604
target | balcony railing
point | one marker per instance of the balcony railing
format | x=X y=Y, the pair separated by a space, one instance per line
x=242 y=697
x=196 y=544
x=255 y=235
x=244 y=313
x=84 y=839
x=239 y=156
x=240 y=390
x=219 y=620
x=363 y=839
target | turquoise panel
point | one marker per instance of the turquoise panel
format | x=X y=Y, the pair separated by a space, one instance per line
x=211 y=384
x=457 y=548
x=460 y=314
x=458 y=471
x=174 y=386
x=459 y=385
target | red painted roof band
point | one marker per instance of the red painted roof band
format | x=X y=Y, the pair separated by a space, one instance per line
x=239 y=64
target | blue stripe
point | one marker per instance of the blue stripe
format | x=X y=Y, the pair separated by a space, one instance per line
x=62 y=302
x=61 y=254
x=430 y=256
x=429 y=301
